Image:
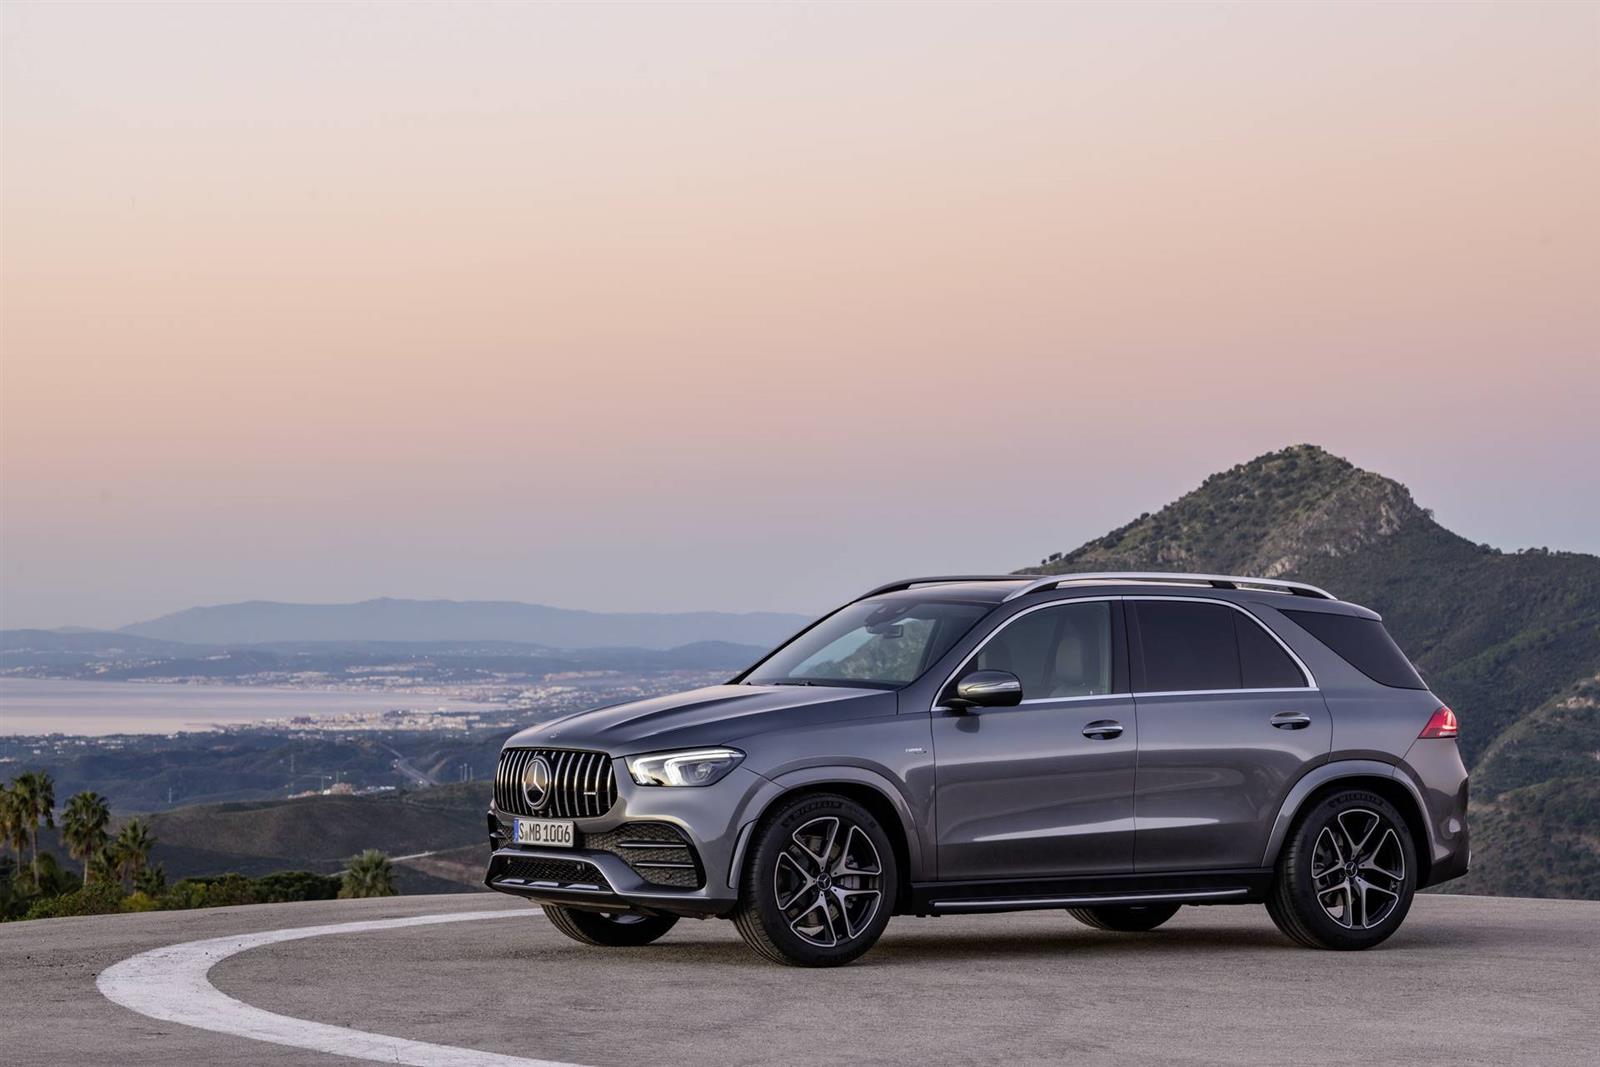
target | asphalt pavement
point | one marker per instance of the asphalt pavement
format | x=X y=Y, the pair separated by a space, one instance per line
x=1468 y=980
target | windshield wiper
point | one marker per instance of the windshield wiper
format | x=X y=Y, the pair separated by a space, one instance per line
x=794 y=681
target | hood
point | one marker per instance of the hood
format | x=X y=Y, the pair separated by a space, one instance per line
x=715 y=715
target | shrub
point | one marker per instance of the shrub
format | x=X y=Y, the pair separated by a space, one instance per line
x=94 y=900
x=370 y=874
x=140 y=901
x=228 y=890
x=282 y=886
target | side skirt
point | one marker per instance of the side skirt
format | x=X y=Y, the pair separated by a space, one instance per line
x=1241 y=886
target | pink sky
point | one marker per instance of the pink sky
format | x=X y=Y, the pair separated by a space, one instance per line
x=749 y=306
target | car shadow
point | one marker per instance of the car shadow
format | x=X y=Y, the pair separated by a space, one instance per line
x=916 y=944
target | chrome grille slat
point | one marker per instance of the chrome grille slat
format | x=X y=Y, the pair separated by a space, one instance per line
x=582 y=784
x=563 y=797
x=557 y=786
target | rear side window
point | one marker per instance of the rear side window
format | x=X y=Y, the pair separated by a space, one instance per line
x=1193 y=646
x=1187 y=646
x=1262 y=660
x=1364 y=644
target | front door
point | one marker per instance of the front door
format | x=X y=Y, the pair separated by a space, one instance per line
x=1044 y=788
x=1228 y=721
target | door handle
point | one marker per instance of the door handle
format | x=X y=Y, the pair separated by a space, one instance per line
x=1291 y=720
x=1103 y=730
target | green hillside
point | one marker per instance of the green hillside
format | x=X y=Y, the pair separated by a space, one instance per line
x=319 y=833
x=1511 y=641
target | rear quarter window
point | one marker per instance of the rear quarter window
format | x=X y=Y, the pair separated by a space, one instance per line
x=1362 y=643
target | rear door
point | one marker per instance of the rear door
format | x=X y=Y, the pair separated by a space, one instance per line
x=1228 y=720
x=1046 y=787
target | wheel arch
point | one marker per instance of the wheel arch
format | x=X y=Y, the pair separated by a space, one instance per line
x=870 y=790
x=1380 y=778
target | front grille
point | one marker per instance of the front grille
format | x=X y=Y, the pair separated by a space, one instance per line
x=559 y=872
x=582 y=785
x=657 y=851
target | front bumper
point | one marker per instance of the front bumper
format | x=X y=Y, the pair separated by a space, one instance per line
x=713 y=820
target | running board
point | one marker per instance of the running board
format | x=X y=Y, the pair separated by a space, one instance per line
x=1177 y=896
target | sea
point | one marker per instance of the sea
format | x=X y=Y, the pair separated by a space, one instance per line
x=30 y=706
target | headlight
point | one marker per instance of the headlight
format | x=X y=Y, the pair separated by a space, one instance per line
x=702 y=766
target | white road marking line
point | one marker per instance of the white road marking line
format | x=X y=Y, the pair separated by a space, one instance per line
x=171 y=984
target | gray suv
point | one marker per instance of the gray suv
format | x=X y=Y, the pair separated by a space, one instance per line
x=1114 y=745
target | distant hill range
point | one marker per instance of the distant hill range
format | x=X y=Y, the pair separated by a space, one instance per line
x=1510 y=640
x=432 y=621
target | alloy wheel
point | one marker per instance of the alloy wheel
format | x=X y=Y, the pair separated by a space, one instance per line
x=827 y=881
x=1358 y=869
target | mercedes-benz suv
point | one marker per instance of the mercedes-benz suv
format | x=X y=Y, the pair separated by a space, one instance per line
x=1113 y=745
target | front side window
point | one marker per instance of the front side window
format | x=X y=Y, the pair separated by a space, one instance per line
x=1056 y=652
x=874 y=644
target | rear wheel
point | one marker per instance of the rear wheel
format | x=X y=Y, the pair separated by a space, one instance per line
x=616 y=929
x=820 y=884
x=1347 y=873
x=1131 y=918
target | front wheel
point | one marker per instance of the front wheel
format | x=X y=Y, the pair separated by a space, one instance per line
x=1131 y=918
x=820 y=884
x=1347 y=873
x=617 y=930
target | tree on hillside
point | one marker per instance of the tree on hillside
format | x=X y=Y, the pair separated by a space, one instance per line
x=13 y=829
x=132 y=849
x=101 y=866
x=83 y=827
x=369 y=875
x=35 y=797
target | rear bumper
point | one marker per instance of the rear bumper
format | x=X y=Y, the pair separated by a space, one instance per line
x=1436 y=771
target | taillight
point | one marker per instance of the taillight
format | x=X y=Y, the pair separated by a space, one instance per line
x=1443 y=724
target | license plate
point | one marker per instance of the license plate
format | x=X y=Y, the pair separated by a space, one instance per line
x=552 y=833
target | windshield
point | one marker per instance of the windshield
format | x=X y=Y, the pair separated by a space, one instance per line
x=879 y=645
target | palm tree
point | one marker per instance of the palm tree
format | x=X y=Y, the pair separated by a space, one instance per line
x=101 y=865
x=83 y=827
x=13 y=830
x=369 y=875
x=35 y=797
x=132 y=849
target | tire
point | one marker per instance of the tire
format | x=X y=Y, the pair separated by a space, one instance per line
x=1334 y=888
x=826 y=921
x=620 y=930
x=1131 y=919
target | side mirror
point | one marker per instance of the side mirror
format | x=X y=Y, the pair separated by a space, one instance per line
x=986 y=689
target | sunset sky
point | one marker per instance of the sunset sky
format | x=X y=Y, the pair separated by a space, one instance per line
x=751 y=306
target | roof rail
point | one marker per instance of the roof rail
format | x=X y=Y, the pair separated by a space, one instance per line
x=1215 y=581
x=941 y=579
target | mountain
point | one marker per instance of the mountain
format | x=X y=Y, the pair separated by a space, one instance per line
x=263 y=621
x=1510 y=640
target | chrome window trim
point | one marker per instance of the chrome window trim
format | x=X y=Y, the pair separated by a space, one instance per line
x=1311 y=679
x=1063 y=700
